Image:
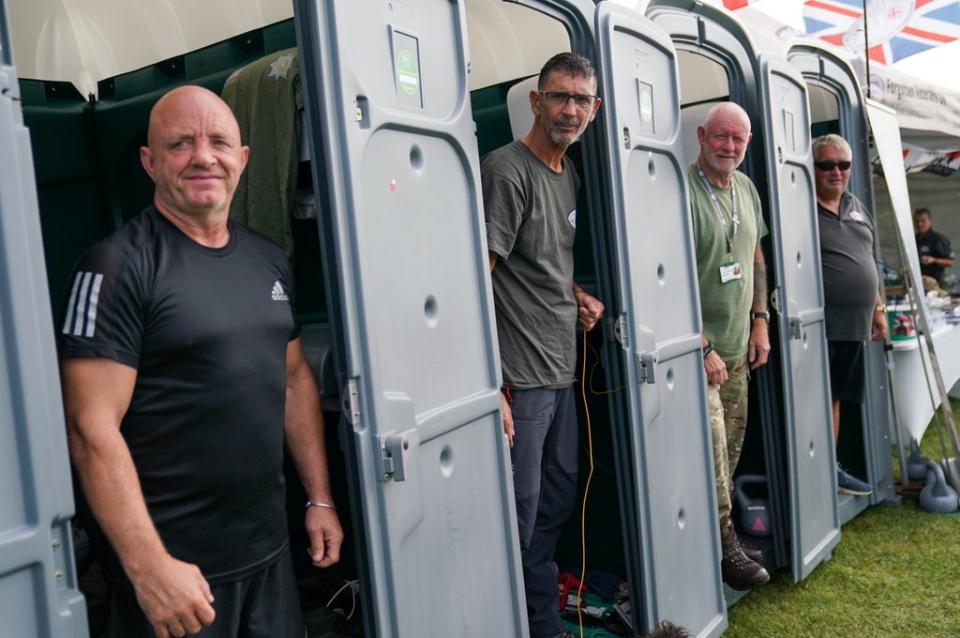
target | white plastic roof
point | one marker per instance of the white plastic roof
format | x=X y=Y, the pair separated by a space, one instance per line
x=85 y=41
x=500 y=44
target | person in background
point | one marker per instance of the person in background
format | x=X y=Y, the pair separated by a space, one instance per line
x=934 y=249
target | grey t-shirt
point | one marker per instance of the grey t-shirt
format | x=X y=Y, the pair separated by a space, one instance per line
x=531 y=213
x=850 y=278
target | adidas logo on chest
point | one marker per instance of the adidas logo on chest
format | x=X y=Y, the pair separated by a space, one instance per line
x=278 y=293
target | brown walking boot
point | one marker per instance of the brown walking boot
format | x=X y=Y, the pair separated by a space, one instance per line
x=753 y=552
x=739 y=572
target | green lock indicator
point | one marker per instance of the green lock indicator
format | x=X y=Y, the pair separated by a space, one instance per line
x=408 y=72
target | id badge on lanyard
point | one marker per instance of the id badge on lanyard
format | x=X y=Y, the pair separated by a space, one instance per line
x=730 y=271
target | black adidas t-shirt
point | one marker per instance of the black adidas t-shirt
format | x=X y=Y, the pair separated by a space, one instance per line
x=207 y=330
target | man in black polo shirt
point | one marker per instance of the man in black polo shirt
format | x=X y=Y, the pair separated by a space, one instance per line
x=183 y=378
x=854 y=309
x=934 y=249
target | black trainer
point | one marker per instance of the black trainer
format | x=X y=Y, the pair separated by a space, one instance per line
x=850 y=484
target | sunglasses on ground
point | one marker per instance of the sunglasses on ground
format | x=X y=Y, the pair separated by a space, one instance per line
x=829 y=166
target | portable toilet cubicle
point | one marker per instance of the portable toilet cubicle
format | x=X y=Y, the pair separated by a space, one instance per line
x=432 y=499
x=420 y=440
x=651 y=512
x=424 y=448
x=403 y=304
x=837 y=106
x=39 y=594
x=789 y=435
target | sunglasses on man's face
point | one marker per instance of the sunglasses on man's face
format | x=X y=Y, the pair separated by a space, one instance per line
x=829 y=166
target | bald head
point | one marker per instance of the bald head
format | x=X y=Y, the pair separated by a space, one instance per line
x=193 y=154
x=174 y=104
x=723 y=139
x=727 y=112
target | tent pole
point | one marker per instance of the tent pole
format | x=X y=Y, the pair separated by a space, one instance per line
x=866 y=46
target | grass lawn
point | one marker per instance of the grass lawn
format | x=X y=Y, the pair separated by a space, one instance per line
x=896 y=572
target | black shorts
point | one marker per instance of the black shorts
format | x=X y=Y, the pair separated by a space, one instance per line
x=846 y=370
x=264 y=604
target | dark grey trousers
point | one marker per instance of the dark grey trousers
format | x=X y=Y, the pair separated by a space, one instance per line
x=265 y=604
x=544 y=457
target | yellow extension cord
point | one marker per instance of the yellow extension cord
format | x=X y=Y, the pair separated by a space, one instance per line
x=586 y=489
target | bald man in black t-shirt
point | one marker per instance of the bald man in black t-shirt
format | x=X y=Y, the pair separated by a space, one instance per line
x=183 y=379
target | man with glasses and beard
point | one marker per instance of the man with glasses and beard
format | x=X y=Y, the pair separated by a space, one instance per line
x=530 y=198
x=853 y=308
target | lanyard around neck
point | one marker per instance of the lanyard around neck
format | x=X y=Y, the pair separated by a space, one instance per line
x=728 y=233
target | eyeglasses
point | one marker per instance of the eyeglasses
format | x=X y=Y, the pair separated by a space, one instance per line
x=829 y=166
x=560 y=99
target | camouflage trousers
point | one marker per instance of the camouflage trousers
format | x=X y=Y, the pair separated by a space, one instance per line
x=728 y=426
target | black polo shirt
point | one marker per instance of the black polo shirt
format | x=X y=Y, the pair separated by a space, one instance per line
x=933 y=244
x=850 y=276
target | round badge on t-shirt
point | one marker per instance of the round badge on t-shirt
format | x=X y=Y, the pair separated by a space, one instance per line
x=572 y=218
x=857 y=216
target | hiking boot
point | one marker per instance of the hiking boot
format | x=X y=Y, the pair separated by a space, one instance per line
x=753 y=552
x=849 y=484
x=739 y=572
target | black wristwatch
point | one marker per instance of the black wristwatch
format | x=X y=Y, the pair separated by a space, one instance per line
x=707 y=349
x=764 y=314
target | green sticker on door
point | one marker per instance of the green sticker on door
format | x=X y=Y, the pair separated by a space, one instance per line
x=408 y=72
x=406 y=68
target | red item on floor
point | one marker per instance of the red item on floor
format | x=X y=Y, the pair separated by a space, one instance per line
x=568 y=584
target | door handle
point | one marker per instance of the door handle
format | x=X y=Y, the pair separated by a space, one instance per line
x=801 y=319
x=648 y=366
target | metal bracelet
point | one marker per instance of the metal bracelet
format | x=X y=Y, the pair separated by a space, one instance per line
x=326 y=506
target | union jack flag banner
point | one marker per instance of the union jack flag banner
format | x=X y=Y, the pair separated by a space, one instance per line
x=897 y=28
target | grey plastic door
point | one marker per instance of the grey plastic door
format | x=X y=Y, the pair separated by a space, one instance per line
x=672 y=458
x=814 y=522
x=386 y=91
x=38 y=581
x=836 y=76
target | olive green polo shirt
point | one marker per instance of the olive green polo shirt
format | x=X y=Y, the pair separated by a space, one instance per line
x=726 y=306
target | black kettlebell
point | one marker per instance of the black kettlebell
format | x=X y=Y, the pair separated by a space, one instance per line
x=755 y=510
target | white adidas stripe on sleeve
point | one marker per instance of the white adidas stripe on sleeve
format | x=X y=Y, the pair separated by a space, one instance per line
x=82 y=305
x=71 y=306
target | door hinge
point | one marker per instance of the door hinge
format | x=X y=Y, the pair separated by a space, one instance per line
x=648 y=366
x=397 y=450
x=775 y=300
x=351 y=402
